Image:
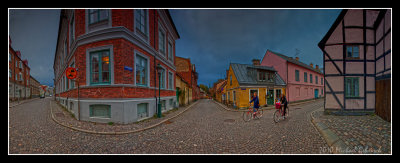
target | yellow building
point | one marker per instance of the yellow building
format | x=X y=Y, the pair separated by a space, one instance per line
x=244 y=79
x=184 y=92
x=219 y=88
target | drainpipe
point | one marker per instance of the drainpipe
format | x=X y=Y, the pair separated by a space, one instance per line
x=155 y=73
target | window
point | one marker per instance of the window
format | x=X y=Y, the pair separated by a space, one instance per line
x=170 y=52
x=72 y=82
x=20 y=64
x=261 y=76
x=72 y=30
x=322 y=81
x=140 y=20
x=161 y=41
x=97 y=15
x=163 y=107
x=234 y=96
x=20 y=77
x=305 y=76
x=351 y=88
x=10 y=75
x=230 y=79
x=229 y=98
x=171 y=102
x=297 y=75
x=316 y=79
x=352 y=52
x=100 y=111
x=16 y=64
x=170 y=80
x=142 y=110
x=270 y=77
x=141 y=70
x=310 y=78
x=100 y=67
x=162 y=79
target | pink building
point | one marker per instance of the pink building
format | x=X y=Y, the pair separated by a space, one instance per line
x=303 y=81
x=357 y=62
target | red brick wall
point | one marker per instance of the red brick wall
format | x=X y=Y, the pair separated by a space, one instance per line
x=122 y=17
x=79 y=22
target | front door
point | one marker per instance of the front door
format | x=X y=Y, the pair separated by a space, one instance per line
x=270 y=97
x=316 y=93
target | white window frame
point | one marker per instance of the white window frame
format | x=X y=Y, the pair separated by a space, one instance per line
x=171 y=87
x=137 y=111
x=164 y=77
x=136 y=32
x=135 y=52
x=162 y=28
x=172 y=47
x=258 y=93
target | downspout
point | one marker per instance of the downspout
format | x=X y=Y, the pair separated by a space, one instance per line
x=155 y=73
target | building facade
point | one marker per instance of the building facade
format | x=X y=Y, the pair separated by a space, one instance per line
x=187 y=71
x=244 y=80
x=219 y=91
x=123 y=58
x=357 y=62
x=303 y=81
x=35 y=87
x=19 y=76
x=183 y=90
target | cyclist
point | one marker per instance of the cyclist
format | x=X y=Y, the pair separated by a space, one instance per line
x=256 y=103
x=284 y=103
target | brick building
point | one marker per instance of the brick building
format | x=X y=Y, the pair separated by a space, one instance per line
x=34 y=87
x=19 y=76
x=188 y=73
x=116 y=53
x=357 y=62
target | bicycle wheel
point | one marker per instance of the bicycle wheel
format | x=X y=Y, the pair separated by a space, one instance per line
x=247 y=116
x=277 y=116
x=259 y=113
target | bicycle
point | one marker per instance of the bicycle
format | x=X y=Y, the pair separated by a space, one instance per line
x=248 y=115
x=278 y=115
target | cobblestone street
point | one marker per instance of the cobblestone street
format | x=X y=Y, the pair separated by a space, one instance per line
x=205 y=128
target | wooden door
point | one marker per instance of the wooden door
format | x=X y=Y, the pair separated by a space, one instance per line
x=382 y=99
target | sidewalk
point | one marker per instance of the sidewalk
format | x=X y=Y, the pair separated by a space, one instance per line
x=367 y=134
x=64 y=118
x=16 y=103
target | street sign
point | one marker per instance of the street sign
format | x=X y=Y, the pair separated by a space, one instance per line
x=128 y=68
x=70 y=73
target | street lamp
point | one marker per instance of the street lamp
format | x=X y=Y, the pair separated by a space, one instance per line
x=160 y=70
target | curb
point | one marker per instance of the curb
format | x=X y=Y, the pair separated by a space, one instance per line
x=265 y=108
x=334 y=142
x=117 y=133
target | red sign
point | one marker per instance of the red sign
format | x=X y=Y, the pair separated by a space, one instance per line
x=44 y=87
x=71 y=73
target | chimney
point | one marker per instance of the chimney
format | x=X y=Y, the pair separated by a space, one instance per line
x=256 y=62
x=26 y=62
x=297 y=58
x=311 y=65
x=18 y=53
x=317 y=67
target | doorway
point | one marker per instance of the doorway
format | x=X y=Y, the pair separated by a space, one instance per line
x=270 y=97
x=316 y=93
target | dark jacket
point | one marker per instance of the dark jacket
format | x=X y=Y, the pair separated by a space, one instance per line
x=284 y=101
x=256 y=102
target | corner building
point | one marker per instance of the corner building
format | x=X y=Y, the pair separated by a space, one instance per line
x=116 y=53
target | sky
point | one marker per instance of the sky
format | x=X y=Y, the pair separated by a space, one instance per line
x=211 y=38
x=34 y=33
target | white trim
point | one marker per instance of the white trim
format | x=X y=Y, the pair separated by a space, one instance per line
x=165 y=78
x=147 y=27
x=109 y=21
x=162 y=28
x=173 y=81
x=136 y=52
